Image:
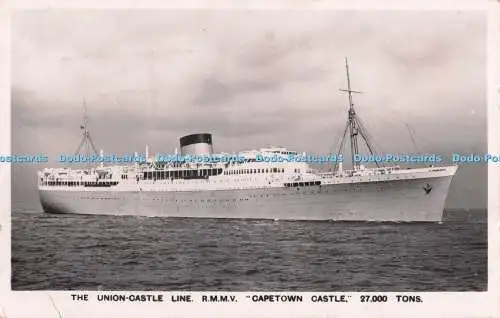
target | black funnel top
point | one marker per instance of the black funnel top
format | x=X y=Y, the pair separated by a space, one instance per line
x=196 y=139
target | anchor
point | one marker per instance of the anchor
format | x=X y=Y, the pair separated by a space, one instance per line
x=427 y=188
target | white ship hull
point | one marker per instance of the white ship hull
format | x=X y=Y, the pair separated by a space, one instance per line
x=405 y=198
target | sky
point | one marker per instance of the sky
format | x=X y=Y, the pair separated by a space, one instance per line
x=252 y=78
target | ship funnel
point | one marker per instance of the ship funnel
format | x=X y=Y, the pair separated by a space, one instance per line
x=196 y=144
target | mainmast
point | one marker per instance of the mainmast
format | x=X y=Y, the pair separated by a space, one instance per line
x=87 y=144
x=354 y=126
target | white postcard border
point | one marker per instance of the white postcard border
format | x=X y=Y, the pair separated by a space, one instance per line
x=436 y=304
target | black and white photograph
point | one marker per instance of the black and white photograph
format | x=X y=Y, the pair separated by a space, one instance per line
x=249 y=150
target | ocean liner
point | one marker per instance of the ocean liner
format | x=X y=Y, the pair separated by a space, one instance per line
x=268 y=183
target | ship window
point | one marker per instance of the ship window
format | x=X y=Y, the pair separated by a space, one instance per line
x=275 y=170
x=301 y=184
x=267 y=170
x=282 y=170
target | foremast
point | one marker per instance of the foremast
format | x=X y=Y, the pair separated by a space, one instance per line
x=87 y=144
x=355 y=127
